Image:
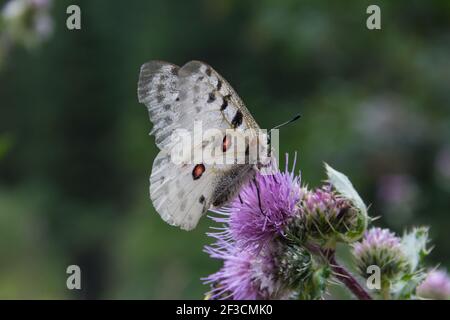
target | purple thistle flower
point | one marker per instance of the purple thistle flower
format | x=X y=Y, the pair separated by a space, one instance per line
x=382 y=248
x=435 y=286
x=262 y=210
x=251 y=242
x=377 y=238
x=322 y=200
x=245 y=275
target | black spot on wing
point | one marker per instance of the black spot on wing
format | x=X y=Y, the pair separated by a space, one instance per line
x=211 y=97
x=224 y=103
x=202 y=199
x=237 y=119
x=219 y=84
x=208 y=72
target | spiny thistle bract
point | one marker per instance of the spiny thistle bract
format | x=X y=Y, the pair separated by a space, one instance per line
x=328 y=217
x=295 y=266
x=278 y=241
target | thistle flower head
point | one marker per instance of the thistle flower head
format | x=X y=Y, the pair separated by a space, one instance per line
x=327 y=215
x=245 y=275
x=378 y=238
x=435 y=286
x=263 y=209
x=259 y=261
x=382 y=248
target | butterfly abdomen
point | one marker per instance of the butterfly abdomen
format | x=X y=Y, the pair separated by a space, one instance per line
x=229 y=183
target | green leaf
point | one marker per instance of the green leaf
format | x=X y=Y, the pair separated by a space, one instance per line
x=415 y=247
x=405 y=287
x=345 y=188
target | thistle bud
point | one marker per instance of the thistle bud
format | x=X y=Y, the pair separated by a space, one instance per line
x=328 y=217
x=294 y=266
x=315 y=286
x=381 y=248
x=436 y=286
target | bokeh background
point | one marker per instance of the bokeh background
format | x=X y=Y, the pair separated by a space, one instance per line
x=75 y=154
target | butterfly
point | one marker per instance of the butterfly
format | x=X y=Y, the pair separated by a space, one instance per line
x=176 y=97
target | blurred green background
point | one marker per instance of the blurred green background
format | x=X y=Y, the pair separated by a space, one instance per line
x=75 y=154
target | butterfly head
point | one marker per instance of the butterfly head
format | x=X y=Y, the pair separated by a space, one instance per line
x=260 y=147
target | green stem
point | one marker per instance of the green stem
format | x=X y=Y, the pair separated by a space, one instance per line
x=385 y=290
x=346 y=277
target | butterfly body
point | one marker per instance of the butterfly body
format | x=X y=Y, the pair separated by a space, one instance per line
x=230 y=182
x=179 y=99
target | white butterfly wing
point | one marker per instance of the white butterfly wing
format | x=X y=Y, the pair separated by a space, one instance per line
x=175 y=196
x=205 y=95
x=158 y=90
x=175 y=98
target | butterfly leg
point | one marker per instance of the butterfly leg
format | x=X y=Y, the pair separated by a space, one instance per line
x=240 y=199
x=258 y=193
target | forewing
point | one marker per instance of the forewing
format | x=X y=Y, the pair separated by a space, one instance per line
x=158 y=90
x=204 y=95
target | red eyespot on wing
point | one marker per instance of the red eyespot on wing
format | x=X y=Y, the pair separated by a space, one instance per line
x=198 y=171
x=226 y=143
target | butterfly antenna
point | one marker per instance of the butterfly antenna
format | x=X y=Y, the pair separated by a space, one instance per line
x=279 y=126
x=287 y=122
